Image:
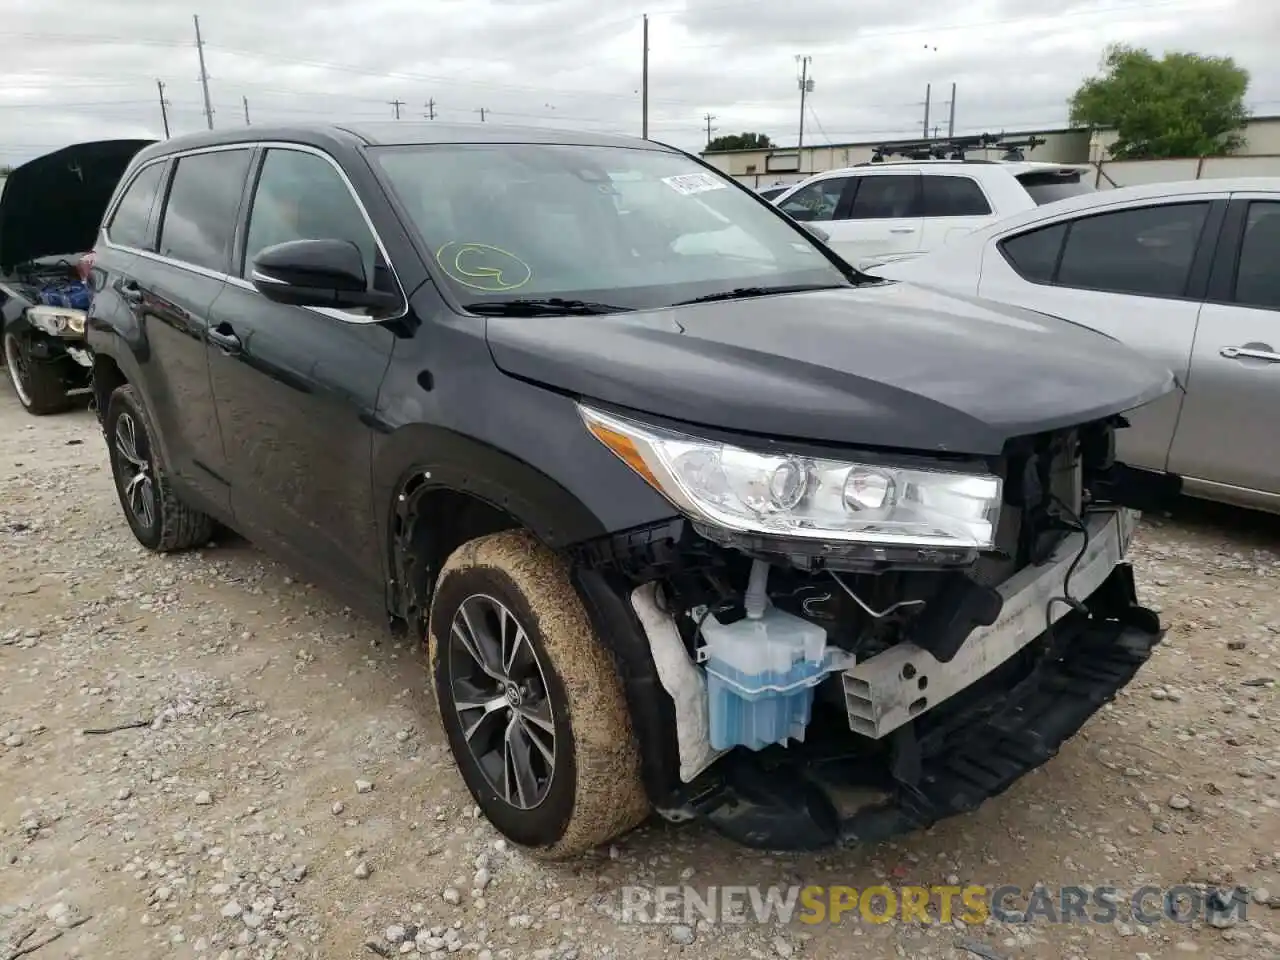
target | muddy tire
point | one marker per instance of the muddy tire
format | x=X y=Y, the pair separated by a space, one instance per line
x=39 y=389
x=530 y=700
x=159 y=520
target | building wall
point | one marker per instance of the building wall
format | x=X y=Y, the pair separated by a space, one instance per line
x=763 y=168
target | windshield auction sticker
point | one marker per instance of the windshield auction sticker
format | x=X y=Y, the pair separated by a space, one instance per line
x=482 y=266
x=691 y=183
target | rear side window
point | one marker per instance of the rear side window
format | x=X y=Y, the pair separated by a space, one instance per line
x=887 y=197
x=1048 y=186
x=128 y=226
x=1146 y=251
x=204 y=200
x=953 y=197
x=1258 y=279
x=1034 y=255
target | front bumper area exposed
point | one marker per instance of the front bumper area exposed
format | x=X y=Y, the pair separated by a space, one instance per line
x=950 y=760
x=886 y=691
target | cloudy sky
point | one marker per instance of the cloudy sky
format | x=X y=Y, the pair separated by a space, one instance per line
x=77 y=71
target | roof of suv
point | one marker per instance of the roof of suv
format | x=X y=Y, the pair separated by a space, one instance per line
x=396 y=133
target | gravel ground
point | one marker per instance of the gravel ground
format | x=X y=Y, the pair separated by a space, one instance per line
x=201 y=756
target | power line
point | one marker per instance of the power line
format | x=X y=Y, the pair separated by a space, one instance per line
x=818 y=123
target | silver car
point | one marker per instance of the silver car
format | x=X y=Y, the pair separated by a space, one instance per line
x=1189 y=272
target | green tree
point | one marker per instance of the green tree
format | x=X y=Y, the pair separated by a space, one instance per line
x=740 y=141
x=1184 y=105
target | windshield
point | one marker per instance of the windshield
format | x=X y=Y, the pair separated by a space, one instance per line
x=1048 y=187
x=632 y=227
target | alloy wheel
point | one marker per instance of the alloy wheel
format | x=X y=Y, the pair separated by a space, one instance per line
x=137 y=484
x=500 y=695
x=15 y=358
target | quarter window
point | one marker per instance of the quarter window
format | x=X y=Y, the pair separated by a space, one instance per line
x=817 y=201
x=1145 y=251
x=1257 y=279
x=953 y=197
x=204 y=201
x=300 y=196
x=887 y=197
x=129 y=223
x=1035 y=254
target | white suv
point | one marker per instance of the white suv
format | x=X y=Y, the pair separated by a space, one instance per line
x=891 y=210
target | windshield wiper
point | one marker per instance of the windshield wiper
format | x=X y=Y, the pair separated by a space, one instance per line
x=535 y=307
x=741 y=293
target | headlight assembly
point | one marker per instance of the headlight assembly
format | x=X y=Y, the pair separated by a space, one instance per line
x=57 y=321
x=807 y=498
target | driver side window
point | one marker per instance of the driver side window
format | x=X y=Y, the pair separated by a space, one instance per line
x=817 y=201
x=300 y=196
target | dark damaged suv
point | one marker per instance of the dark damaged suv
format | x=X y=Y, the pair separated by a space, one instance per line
x=692 y=517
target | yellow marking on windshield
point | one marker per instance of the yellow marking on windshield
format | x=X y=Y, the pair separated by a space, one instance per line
x=486 y=267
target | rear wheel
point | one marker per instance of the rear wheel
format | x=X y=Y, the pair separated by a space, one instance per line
x=530 y=700
x=39 y=388
x=159 y=520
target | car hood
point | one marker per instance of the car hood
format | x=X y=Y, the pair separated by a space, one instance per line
x=886 y=365
x=54 y=203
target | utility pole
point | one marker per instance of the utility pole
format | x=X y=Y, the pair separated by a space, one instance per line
x=396 y=105
x=431 y=109
x=708 y=118
x=164 y=108
x=644 y=84
x=805 y=86
x=928 y=91
x=951 y=123
x=204 y=74
x=482 y=111
x=245 y=100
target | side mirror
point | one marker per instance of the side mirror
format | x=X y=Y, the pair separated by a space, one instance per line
x=317 y=273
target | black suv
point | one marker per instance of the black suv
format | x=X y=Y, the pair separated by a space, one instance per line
x=692 y=516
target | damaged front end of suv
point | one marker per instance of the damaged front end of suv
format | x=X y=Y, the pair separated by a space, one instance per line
x=831 y=647
x=49 y=215
x=824 y=686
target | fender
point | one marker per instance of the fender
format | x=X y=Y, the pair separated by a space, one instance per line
x=104 y=340
x=418 y=459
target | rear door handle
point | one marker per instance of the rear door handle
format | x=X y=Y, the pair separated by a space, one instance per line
x=1249 y=353
x=225 y=339
x=902 y=229
x=130 y=292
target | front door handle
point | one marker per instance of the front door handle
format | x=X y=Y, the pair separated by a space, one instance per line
x=225 y=339
x=1249 y=353
x=902 y=229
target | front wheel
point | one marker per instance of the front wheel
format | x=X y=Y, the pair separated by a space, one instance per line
x=39 y=388
x=160 y=521
x=530 y=700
